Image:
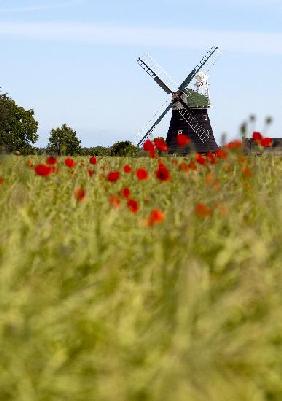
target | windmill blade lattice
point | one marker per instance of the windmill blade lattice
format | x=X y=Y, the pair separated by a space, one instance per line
x=197 y=69
x=149 y=70
x=158 y=120
x=198 y=128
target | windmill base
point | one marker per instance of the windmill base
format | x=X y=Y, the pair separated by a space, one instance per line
x=179 y=125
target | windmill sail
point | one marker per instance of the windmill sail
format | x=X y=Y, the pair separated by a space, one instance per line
x=143 y=64
x=158 y=120
x=195 y=71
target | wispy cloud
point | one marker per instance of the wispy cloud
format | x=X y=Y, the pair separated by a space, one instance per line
x=224 y=3
x=117 y=35
x=40 y=7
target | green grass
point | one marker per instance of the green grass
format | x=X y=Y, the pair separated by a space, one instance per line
x=97 y=306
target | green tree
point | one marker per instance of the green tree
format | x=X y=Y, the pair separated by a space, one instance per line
x=123 y=149
x=18 y=128
x=96 y=151
x=63 y=141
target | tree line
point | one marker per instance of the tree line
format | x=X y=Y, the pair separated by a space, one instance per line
x=18 y=134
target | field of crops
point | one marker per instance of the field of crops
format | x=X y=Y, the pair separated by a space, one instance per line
x=141 y=279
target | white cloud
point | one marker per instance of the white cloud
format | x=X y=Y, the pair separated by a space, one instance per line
x=239 y=3
x=250 y=42
x=246 y=3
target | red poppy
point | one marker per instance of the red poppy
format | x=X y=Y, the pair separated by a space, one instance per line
x=133 y=205
x=69 y=162
x=142 y=174
x=160 y=144
x=266 y=142
x=202 y=210
x=246 y=171
x=211 y=158
x=163 y=173
x=152 y=154
x=149 y=146
x=183 y=167
x=90 y=172
x=210 y=179
x=1 y=180
x=29 y=163
x=192 y=165
x=51 y=160
x=236 y=144
x=200 y=159
x=223 y=209
x=221 y=154
x=113 y=176
x=79 y=194
x=125 y=192
x=43 y=170
x=93 y=160
x=156 y=217
x=257 y=136
x=127 y=169
x=114 y=201
x=183 y=140
x=242 y=159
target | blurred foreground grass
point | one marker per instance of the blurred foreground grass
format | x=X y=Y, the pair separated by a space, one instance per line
x=96 y=306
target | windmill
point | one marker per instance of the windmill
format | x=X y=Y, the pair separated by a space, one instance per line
x=188 y=99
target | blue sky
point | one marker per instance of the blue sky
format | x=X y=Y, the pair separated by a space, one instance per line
x=74 y=61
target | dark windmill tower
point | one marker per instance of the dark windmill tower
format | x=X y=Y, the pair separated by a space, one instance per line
x=189 y=108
